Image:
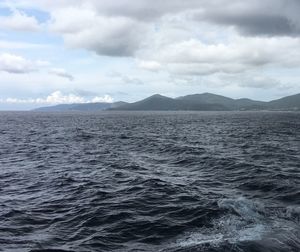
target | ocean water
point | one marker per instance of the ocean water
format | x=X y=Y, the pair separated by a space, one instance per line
x=137 y=181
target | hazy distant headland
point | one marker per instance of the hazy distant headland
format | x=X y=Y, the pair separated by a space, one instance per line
x=193 y=102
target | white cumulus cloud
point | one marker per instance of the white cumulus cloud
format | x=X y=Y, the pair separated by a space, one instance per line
x=58 y=97
x=12 y=63
x=105 y=35
x=16 y=64
x=19 y=21
x=194 y=57
x=105 y=98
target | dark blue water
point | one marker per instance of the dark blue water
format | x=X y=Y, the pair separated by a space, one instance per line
x=150 y=181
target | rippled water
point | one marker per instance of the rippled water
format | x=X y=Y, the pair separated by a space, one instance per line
x=150 y=181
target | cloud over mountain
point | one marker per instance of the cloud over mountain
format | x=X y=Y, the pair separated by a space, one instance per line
x=57 y=97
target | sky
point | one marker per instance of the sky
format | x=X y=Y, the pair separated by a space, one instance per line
x=77 y=51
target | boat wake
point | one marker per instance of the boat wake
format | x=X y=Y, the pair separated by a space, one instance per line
x=246 y=226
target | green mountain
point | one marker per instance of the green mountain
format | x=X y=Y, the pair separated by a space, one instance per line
x=98 y=106
x=228 y=103
x=291 y=102
x=197 y=102
x=159 y=102
x=194 y=102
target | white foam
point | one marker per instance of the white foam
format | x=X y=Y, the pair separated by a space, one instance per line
x=246 y=221
x=199 y=238
x=246 y=226
x=247 y=209
x=232 y=234
x=254 y=233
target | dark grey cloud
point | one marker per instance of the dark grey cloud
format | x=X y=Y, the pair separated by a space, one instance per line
x=121 y=47
x=252 y=17
x=255 y=24
x=145 y=10
x=256 y=18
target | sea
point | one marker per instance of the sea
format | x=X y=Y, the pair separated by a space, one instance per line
x=150 y=181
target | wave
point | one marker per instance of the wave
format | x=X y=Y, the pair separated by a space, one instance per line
x=246 y=225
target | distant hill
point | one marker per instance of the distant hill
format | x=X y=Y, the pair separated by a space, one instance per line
x=208 y=98
x=159 y=102
x=194 y=102
x=227 y=103
x=286 y=103
x=248 y=104
x=197 y=102
x=81 y=107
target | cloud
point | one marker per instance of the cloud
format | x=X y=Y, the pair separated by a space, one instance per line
x=173 y=39
x=131 y=80
x=143 y=10
x=125 y=79
x=110 y=36
x=85 y=93
x=149 y=65
x=194 y=57
x=58 y=97
x=16 y=64
x=137 y=9
x=253 y=81
x=268 y=17
x=12 y=63
x=105 y=98
x=124 y=28
x=257 y=24
x=256 y=18
x=19 y=21
x=61 y=73
x=110 y=29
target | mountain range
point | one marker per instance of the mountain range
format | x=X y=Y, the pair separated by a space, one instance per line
x=81 y=107
x=194 y=102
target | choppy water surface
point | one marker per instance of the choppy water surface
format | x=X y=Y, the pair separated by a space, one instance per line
x=150 y=181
